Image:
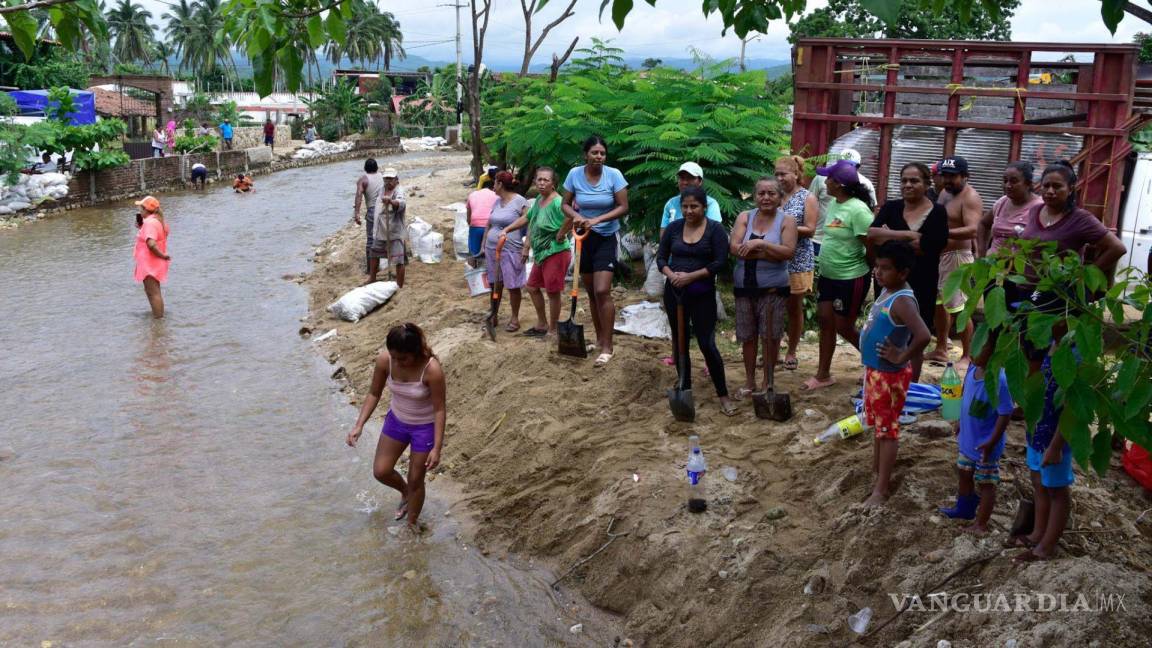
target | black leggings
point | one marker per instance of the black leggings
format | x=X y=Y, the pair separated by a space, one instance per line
x=700 y=318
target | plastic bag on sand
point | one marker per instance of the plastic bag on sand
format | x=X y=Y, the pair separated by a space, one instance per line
x=358 y=302
x=418 y=229
x=430 y=247
x=654 y=283
x=645 y=319
x=460 y=235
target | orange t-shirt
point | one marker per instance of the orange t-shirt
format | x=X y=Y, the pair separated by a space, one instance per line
x=148 y=264
x=243 y=184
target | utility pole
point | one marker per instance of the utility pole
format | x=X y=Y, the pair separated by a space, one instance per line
x=459 y=74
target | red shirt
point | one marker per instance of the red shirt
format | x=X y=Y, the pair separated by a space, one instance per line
x=269 y=129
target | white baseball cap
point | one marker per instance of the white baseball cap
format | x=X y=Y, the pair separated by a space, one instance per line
x=852 y=155
x=390 y=172
x=692 y=169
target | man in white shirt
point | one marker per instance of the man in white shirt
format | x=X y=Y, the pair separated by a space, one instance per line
x=819 y=197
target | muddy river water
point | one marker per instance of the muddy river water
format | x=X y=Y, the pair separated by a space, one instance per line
x=184 y=482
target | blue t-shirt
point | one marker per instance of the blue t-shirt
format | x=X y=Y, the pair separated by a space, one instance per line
x=226 y=131
x=673 y=212
x=975 y=430
x=879 y=328
x=597 y=199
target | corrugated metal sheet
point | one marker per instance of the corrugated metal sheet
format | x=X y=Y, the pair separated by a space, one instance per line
x=986 y=152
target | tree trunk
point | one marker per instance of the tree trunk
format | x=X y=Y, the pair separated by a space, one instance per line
x=1139 y=12
x=558 y=61
x=479 y=31
x=530 y=47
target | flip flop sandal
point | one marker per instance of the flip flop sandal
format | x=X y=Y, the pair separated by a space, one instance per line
x=729 y=410
x=401 y=512
x=512 y=328
x=812 y=384
x=1029 y=556
x=602 y=359
x=1018 y=542
x=535 y=332
x=668 y=361
x=791 y=364
x=742 y=393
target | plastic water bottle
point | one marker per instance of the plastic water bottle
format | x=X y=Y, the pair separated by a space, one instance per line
x=951 y=393
x=842 y=429
x=696 y=468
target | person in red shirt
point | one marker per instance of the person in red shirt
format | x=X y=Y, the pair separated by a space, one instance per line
x=270 y=134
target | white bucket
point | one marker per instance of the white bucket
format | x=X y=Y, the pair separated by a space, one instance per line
x=477 y=279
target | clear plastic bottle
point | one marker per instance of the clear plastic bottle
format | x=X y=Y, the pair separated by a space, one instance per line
x=696 y=468
x=842 y=429
x=951 y=394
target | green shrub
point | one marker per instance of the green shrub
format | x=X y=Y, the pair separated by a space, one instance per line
x=653 y=122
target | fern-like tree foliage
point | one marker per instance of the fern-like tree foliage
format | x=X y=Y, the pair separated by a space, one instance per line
x=654 y=121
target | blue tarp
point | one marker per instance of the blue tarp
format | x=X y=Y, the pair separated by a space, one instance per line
x=33 y=102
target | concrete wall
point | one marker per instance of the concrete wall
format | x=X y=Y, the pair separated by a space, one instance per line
x=155 y=175
x=253 y=136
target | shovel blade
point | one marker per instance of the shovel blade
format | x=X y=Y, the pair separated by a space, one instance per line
x=682 y=404
x=773 y=406
x=571 y=337
x=490 y=328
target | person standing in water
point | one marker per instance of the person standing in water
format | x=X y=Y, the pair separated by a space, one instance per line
x=416 y=417
x=151 y=252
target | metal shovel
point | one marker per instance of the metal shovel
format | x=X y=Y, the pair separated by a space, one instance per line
x=497 y=291
x=771 y=405
x=572 y=334
x=680 y=400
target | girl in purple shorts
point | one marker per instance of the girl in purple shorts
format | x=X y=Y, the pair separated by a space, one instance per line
x=416 y=416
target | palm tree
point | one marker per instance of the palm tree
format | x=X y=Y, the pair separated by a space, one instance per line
x=132 y=35
x=180 y=18
x=164 y=52
x=370 y=35
x=206 y=46
x=393 y=39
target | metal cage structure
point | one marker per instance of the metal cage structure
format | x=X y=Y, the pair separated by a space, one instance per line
x=964 y=87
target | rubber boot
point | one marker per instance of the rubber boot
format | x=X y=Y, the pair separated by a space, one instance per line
x=965 y=508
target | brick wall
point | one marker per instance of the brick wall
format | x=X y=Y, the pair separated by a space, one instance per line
x=154 y=175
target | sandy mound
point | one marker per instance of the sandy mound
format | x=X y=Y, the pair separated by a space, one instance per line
x=553 y=449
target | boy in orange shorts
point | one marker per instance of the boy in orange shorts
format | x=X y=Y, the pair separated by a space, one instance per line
x=893 y=335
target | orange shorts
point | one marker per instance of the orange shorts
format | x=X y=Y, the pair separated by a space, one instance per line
x=884 y=396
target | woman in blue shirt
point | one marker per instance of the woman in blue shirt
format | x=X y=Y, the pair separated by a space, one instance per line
x=595 y=197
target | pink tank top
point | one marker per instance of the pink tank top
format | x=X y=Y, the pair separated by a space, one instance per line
x=411 y=401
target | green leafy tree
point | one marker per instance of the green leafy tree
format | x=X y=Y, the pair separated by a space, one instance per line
x=850 y=19
x=178 y=28
x=651 y=63
x=132 y=35
x=371 y=35
x=433 y=103
x=339 y=110
x=1144 y=40
x=653 y=122
x=1104 y=380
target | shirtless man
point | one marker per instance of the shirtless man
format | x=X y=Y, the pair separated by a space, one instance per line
x=368 y=189
x=964 y=210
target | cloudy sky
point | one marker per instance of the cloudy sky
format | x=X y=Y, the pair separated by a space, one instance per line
x=674 y=25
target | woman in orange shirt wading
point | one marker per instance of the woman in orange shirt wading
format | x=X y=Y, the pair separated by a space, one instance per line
x=151 y=252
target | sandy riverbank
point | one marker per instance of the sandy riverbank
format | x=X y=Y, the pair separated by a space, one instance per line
x=550 y=450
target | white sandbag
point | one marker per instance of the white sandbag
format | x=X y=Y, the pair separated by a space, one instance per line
x=47 y=179
x=455 y=207
x=430 y=247
x=654 y=283
x=646 y=319
x=633 y=245
x=358 y=302
x=460 y=235
x=17 y=205
x=721 y=312
x=418 y=229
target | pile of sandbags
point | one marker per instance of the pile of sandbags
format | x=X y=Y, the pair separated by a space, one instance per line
x=32 y=190
x=423 y=144
x=321 y=148
x=459 y=229
x=426 y=244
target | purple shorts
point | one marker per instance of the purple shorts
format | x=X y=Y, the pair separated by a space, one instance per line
x=421 y=436
x=512 y=273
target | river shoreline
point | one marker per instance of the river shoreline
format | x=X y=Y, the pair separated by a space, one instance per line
x=552 y=453
x=50 y=208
